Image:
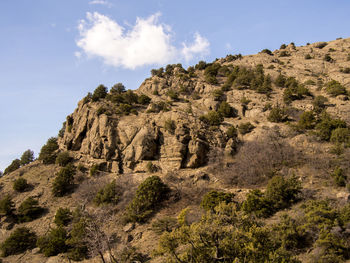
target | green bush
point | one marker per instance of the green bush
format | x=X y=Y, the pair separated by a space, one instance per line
x=143 y=99
x=280 y=81
x=341 y=135
x=257 y=204
x=319 y=103
x=16 y=164
x=109 y=194
x=212 y=118
x=27 y=157
x=172 y=94
x=277 y=114
x=210 y=73
x=64 y=181
x=213 y=198
x=151 y=168
x=94 y=170
x=201 y=65
x=218 y=94
x=148 y=196
x=20 y=185
x=226 y=110
x=170 y=126
x=283 y=46
x=245 y=128
x=321 y=45
x=334 y=88
x=18 y=242
x=231 y=132
x=118 y=88
x=328 y=58
x=266 y=51
x=99 y=93
x=164 y=224
x=339 y=177
x=307 y=120
x=326 y=125
x=54 y=242
x=63 y=216
x=29 y=210
x=282 y=192
x=63 y=159
x=6 y=205
x=48 y=151
x=157 y=72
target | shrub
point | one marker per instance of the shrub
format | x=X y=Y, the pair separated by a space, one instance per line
x=172 y=94
x=308 y=56
x=143 y=99
x=257 y=204
x=27 y=157
x=151 y=168
x=47 y=153
x=345 y=70
x=218 y=94
x=99 y=93
x=18 y=242
x=341 y=135
x=29 y=210
x=210 y=73
x=266 y=51
x=149 y=194
x=170 y=126
x=326 y=125
x=63 y=216
x=16 y=164
x=284 y=54
x=245 y=128
x=226 y=110
x=109 y=194
x=231 y=132
x=319 y=103
x=54 y=242
x=277 y=114
x=328 y=58
x=201 y=65
x=20 y=185
x=334 y=88
x=118 y=88
x=164 y=224
x=339 y=177
x=63 y=159
x=321 y=45
x=94 y=170
x=213 y=198
x=307 y=120
x=280 y=81
x=283 y=46
x=64 y=181
x=6 y=205
x=212 y=118
x=282 y=192
x=157 y=72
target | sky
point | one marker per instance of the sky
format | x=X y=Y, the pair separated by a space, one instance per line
x=53 y=52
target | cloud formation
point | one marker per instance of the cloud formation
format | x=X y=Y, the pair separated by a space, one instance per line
x=100 y=2
x=148 y=42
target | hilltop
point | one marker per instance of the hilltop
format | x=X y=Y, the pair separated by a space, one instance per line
x=244 y=157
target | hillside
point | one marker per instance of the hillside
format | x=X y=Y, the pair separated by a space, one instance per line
x=244 y=159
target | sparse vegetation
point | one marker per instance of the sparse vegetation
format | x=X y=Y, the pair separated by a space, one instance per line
x=18 y=242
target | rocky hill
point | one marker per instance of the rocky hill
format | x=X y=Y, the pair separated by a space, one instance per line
x=173 y=171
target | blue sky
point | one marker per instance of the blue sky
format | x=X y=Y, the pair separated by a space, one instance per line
x=52 y=52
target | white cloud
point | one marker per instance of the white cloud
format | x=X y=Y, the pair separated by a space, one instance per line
x=77 y=54
x=100 y=2
x=148 y=42
x=199 y=47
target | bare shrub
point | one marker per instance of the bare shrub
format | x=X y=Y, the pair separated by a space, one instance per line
x=258 y=161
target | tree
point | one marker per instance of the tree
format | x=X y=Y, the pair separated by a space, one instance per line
x=99 y=93
x=29 y=210
x=48 y=151
x=118 y=88
x=27 y=157
x=6 y=206
x=64 y=181
x=20 y=184
x=13 y=166
x=18 y=242
x=54 y=242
